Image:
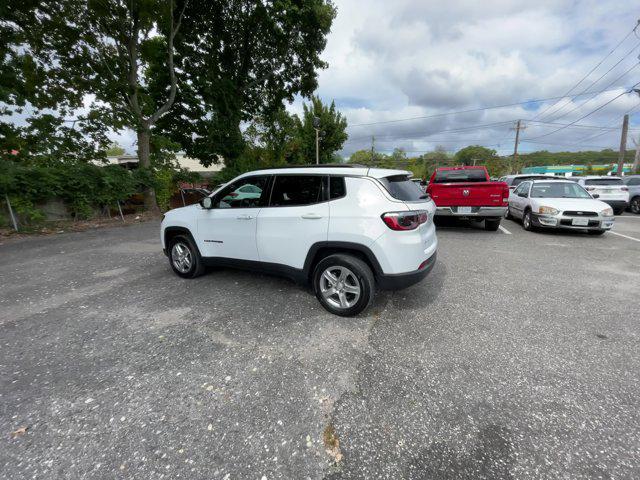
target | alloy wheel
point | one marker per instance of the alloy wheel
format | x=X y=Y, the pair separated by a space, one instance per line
x=635 y=205
x=181 y=257
x=340 y=287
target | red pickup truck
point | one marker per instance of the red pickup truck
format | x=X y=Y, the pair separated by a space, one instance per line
x=469 y=193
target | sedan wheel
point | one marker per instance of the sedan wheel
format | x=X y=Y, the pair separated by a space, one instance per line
x=635 y=205
x=526 y=221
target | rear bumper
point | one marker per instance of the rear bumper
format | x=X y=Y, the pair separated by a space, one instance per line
x=616 y=203
x=565 y=222
x=398 y=281
x=475 y=212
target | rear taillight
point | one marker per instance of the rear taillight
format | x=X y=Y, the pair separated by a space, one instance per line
x=505 y=195
x=405 y=220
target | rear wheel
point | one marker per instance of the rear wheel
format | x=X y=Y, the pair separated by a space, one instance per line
x=343 y=284
x=634 y=206
x=492 y=224
x=508 y=215
x=184 y=257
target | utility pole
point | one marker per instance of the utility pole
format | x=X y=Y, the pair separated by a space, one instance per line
x=517 y=128
x=373 y=152
x=316 y=127
x=623 y=144
x=636 y=160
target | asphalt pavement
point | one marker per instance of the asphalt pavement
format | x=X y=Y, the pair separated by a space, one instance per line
x=517 y=358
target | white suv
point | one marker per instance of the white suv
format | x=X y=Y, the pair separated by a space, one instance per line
x=344 y=229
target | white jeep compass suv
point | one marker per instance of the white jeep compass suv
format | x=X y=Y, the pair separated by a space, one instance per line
x=344 y=229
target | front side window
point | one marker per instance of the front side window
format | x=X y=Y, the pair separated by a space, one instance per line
x=558 y=190
x=248 y=192
x=296 y=190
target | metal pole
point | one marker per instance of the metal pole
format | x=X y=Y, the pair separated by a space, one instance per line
x=317 y=146
x=13 y=217
x=623 y=145
x=120 y=210
x=515 y=146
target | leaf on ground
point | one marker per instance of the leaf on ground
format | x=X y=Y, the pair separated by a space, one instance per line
x=18 y=432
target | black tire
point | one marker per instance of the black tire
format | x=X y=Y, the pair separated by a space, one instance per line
x=508 y=215
x=527 y=223
x=196 y=266
x=492 y=225
x=359 y=272
x=596 y=232
x=634 y=205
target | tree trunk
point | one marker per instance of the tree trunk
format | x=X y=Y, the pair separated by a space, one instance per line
x=150 y=203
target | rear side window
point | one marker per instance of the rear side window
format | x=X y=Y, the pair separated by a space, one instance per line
x=296 y=190
x=402 y=188
x=604 y=181
x=453 y=176
x=337 y=187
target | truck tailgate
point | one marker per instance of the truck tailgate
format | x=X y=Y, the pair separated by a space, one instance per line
x=472 y=194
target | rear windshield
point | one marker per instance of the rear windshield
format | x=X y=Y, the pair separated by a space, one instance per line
x=518 y=180
x=402 y=188
x=604 y=181
x=452 y=176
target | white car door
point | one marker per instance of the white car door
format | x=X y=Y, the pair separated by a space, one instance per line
x=297 y=217
x=228 y=230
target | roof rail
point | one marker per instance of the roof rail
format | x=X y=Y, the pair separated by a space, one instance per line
x=313 y=165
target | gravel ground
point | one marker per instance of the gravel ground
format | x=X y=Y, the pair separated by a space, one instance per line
x=518 y=358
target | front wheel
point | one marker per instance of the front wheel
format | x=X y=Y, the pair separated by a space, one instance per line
x=492 y=225
x=184 y=257
x=634 y=206
x=526 y=221
x=343 y=284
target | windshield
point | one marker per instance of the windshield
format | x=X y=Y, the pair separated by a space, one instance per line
x=453 y=176
x=558 y=190
x=604 y=181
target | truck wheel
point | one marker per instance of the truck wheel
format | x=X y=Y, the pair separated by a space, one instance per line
x=184 y=257
x=526 y=221
x=492 y=224
x=343 y=284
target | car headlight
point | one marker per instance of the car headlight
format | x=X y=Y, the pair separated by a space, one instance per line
x=548 y=210
x=607 y=212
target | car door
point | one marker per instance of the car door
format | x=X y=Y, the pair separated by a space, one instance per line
x=517 y=201
x=297 y=217
x=228 y=230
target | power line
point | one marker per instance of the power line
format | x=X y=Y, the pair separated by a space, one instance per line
x=594 y=95
x=423 y=134
x=590 y=71
x=586 y=115
x=480 y=109
x=598 y=79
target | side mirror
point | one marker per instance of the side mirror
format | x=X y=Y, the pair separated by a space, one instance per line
x=595 y=195
x=206 y=203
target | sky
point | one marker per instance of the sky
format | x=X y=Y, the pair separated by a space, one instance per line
x=395 y=60
x=390 y=61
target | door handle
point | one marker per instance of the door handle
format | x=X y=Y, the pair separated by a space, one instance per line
x=311 y=216
x=244 y=217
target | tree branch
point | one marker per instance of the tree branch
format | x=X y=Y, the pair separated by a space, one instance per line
x=172 y=71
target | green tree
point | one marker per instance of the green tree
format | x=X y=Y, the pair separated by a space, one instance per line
x=473 y=155
x=242 y=58
x=115 y=150
x=332 y=131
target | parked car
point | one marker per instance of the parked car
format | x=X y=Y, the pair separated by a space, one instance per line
x=633 y=184
x=559 y=204
x=610 y=190
x=346 y=230
x=468 y=193
x=514 y=180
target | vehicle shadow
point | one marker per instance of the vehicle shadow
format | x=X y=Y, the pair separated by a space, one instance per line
x=453 y=224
